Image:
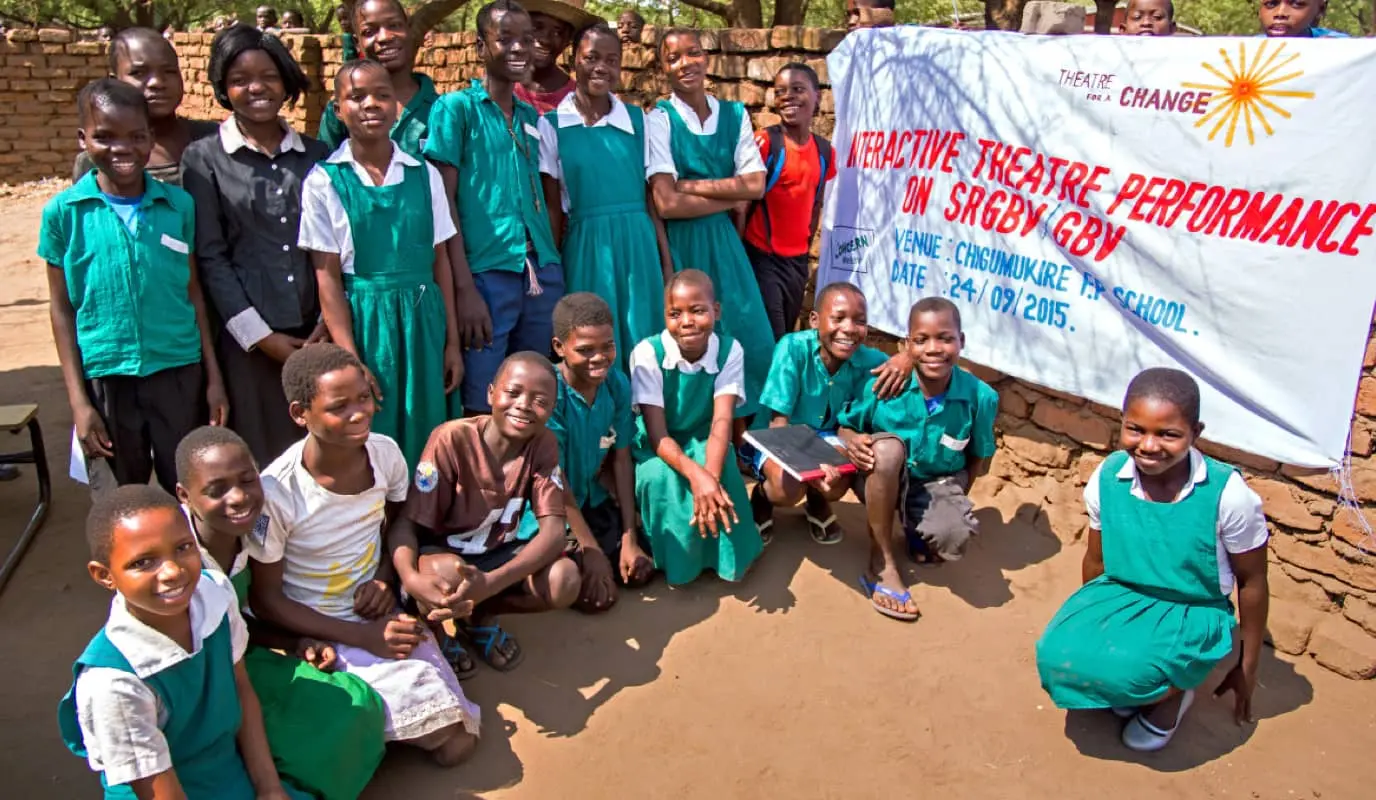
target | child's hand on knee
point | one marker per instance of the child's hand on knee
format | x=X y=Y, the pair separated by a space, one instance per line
x=373 y=599
x=713 y=511
x=395 y=637
x=860 y=449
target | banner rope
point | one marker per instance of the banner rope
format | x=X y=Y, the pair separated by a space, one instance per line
x=1347 y=499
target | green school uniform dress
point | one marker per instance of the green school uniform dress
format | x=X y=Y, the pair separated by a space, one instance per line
x=711 y=244
x=409 y=131
x=325 y=729
x=398 y=314
x=800 y=388
x=663 y=495
x=1157 y=618
x=610 y=247
x=203 y=716
x=939 y=438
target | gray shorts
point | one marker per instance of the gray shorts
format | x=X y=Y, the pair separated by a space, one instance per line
x=938 y=517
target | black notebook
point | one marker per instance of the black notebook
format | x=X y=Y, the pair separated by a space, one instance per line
x=799 y=450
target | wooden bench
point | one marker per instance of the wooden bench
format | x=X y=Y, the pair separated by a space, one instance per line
x=15 y=419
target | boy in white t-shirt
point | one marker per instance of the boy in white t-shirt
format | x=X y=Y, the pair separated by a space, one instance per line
x=338 y=491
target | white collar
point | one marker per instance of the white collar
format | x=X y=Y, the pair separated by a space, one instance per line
x=1199 y=472
x=568 y=116
x=344 y=154
x=232 y=139
x=686 y=111
x=149 y=651
x=673 y=357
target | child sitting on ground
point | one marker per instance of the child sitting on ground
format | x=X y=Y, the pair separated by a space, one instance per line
x=311 y=714
x=160 y=704
x=127 y=311
x=814 y=375
x=920 y=452
x=593 y=424
x=340 y=489
x=1171 y=531
x=1149 y=18
x=457 y=545
x=686 y=384
x=798 y=164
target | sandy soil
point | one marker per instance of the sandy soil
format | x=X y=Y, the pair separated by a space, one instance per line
x=785 y=686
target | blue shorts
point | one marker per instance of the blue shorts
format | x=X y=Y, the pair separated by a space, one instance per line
x=756 y=459
x=520 y=321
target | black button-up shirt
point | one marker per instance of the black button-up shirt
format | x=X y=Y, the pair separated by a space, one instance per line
x=248 y=211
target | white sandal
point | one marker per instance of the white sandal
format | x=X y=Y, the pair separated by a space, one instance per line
x=1145 y=737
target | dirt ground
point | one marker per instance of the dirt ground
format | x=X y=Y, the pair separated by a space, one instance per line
x=785 y=686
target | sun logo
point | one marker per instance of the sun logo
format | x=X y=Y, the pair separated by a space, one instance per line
x=1247 y=91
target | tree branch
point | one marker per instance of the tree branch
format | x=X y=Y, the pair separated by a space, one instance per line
x=425 y=17
x=712 y=7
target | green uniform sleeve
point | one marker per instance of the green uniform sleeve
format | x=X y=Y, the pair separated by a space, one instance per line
x=623 y=419
x=448 y=129
x=867 y=358
x=858 y=415
x=332 y=130
x=982 y=434
x=781 y=387
x=52 y=235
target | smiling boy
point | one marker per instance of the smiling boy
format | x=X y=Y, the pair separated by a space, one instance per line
x=1149 y=18
x=554 y=23
x=920 y=453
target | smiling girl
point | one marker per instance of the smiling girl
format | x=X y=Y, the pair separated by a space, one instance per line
x=247 y=186
x=593 y=156
x=703 y=162
x=1171 y=533
x=375 y=221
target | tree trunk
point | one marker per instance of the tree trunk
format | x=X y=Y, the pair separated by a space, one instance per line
x=736 y=13
x=789 y=12
x=427 y=15
x=1003 y=15
x=1103 y=16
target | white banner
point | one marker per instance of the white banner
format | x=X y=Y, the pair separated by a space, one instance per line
x=1096 y=205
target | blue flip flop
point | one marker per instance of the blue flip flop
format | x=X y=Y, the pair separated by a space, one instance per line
x=870 y=587
x=453 y=651
x=489 y=638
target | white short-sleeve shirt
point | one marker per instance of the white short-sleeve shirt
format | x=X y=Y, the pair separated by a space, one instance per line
x=647 y=376
x=567 y=116
x=324 y=223
x=120 y=716
x=330 y=543
x=657 y=132
x=1241 y=521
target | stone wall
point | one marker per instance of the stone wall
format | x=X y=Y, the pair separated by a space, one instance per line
x=1323 y=576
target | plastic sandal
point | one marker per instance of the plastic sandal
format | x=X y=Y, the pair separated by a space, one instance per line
x=871 y=587
x=491 y=637
x=459 y=660
x=825 y=531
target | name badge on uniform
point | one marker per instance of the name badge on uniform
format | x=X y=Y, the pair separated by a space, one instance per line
x=954 y=444
x=175 y=245
x=532 y=130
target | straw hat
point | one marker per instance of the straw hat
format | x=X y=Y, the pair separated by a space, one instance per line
x=570 y=11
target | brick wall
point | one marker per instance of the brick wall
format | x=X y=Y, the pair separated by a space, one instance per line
x=1323 y=579
x=38 y=84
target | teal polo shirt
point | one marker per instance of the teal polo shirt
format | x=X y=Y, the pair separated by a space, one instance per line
x=500 y=200
x=938 y=443
x=800 y=388
x=587 y=433
x=129 y=290
x=409 y=131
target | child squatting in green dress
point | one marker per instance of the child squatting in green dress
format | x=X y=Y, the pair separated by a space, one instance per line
x=703 y=162
x=161 y=704
x=593 y=156
x=375 y=220
x=324 y=728
x=1171 y=531
x=687 y=383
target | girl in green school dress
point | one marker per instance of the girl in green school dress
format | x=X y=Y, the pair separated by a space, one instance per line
x=686 y=382
x=704 y=163
x=386 y=290
x=593 y=155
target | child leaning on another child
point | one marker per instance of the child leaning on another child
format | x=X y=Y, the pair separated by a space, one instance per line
x=1171 y=533
x=919 y=453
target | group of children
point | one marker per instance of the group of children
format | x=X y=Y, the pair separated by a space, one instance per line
x=394 y=291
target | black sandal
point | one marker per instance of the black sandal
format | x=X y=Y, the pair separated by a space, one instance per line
x=456 y=655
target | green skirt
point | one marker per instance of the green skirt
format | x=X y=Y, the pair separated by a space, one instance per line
x=1111 y=645
x=613 y=254
x=712 y=245
x=399 y=330
x=325 y=729
x=666 y=507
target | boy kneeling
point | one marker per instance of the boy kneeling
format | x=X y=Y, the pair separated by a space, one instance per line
x=920 y=453
x=457 y=550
